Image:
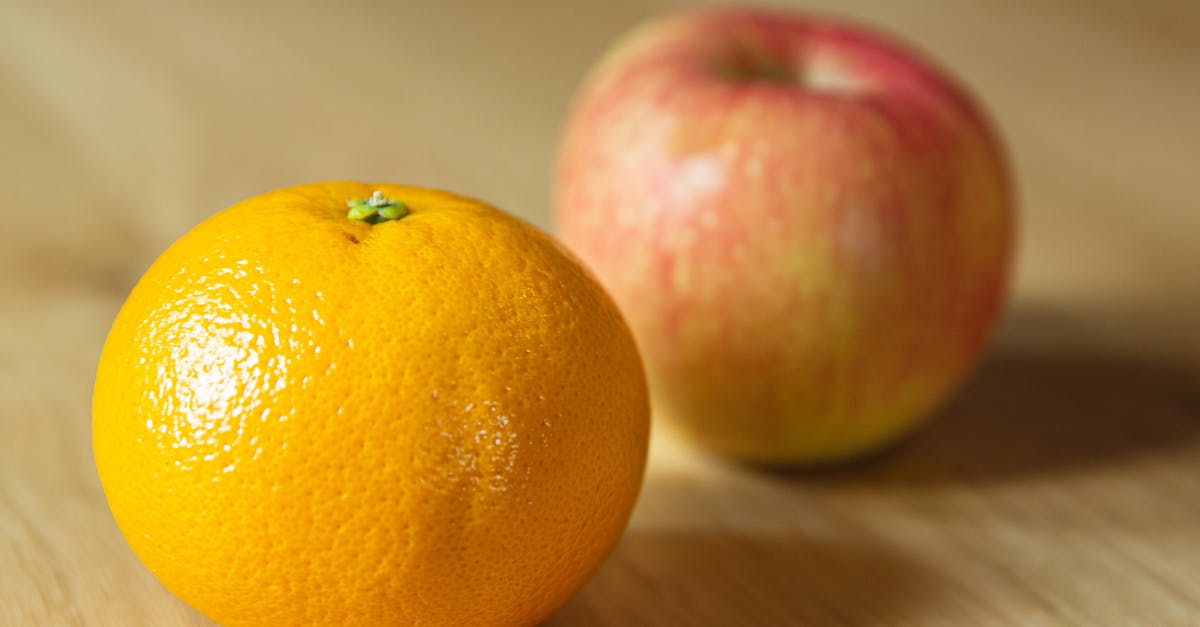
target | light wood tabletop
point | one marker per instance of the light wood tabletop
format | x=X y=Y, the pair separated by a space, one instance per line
x=1060 y=487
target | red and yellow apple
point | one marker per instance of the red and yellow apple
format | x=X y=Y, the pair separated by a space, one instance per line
x=807 y=224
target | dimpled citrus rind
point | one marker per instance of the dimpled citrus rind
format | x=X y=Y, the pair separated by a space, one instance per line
x=437 y=420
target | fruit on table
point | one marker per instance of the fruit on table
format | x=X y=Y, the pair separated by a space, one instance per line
x=807 y=225
x=423 y=412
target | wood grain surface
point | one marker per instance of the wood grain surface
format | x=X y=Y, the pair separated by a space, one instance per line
x=1061 y=486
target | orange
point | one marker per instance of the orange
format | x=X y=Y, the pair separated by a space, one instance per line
x=304 y=418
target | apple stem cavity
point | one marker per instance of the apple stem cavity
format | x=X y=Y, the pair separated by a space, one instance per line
x=756 y=66
x=758 y=71
x=378 y=208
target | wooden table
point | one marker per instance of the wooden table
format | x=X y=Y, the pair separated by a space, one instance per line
x=1060 y=488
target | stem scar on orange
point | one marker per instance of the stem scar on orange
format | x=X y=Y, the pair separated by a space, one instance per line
x=417 y=411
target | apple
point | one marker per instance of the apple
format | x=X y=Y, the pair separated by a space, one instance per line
x=808 y=225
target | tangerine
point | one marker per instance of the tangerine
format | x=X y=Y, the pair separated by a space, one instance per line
x=420 y=411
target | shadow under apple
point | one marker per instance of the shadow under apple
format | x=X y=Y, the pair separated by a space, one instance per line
x=716 y=543
x=1046 y=400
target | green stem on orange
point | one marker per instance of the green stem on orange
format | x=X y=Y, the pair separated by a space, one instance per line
x=378 y=208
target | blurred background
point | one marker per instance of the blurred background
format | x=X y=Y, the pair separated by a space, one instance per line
x=1059 y=488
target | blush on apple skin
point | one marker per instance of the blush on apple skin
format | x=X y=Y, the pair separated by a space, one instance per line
x=808 y=226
